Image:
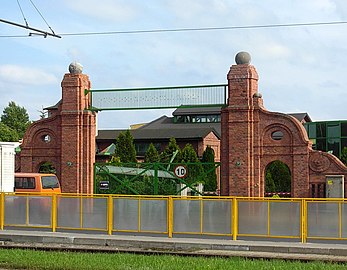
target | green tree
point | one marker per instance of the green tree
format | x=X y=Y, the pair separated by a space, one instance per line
x=269 y=182
x=16 y=118
x=151 y=154
x=278 y=173
x=209 y=169
x=125 y=148
x=168 y=152
x=195 y=170
x=7 y=134
x=344 y=155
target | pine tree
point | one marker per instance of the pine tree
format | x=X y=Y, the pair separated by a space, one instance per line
x=280 y=175
x=125 y=148
x=151 y=154
x=211 y=177
x=189 y=155
x=169 y=151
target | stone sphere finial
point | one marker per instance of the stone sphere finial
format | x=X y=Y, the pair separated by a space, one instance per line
x=242 y=58
x=75 y=68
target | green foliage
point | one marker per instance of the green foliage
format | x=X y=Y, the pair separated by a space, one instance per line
x=7 y=134
x=269 y=182
x=144 y=185
x=189 y=155
x=125 y=148
x=16 y=118
x=47 y=167
x=151 y=154
x=278 y=178
x=209 y=169
x=344 y=155
x=115 y=160
x=168 y=152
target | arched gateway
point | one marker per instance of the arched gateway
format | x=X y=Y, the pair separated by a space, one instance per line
x=253 y=137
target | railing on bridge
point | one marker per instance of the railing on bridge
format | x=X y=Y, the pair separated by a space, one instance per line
x=234 y=217
x=158 y=98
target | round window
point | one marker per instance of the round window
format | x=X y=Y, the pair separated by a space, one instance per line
x=46 y=138
x=277 y=135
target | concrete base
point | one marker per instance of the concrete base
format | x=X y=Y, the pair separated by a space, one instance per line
x=177 y=246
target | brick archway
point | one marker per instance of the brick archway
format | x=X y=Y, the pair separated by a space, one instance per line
x=248 y=144
x=66 y=138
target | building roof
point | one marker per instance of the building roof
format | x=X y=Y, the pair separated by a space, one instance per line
x=302 y=117
x=163 y=128
x=158 y=134
x=54 y=107
x=196 y=111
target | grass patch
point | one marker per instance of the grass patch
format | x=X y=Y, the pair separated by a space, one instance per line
x=29 y=259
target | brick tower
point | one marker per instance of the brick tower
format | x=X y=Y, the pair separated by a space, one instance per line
x=66 y=138
x=238 y=134
x=78 y=131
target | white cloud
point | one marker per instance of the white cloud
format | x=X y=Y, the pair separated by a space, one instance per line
x=106 y=10
x=25 y=75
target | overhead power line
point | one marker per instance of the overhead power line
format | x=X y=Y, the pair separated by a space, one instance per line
x=197 y=29
x=203 y=29
x=37 y=32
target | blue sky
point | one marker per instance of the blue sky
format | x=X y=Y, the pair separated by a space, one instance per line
x=301 y=69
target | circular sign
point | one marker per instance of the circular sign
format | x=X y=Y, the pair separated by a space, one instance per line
x=180 y=171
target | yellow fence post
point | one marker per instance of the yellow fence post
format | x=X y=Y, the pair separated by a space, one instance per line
x=170 y=217
x=268 y=218
x=234 y=219
x=109 y=214
x=340 y=219
x=2 y=218
x=54 y=212
x=303 y=221
x=27 y=210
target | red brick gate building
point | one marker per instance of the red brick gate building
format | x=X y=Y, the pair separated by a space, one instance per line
x=66 y=138
x=253 y=137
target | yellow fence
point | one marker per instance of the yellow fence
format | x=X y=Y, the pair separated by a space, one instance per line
x=233 y=217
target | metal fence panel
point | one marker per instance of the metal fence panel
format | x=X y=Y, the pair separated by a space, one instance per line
x=285 y=219
x=125 y=214
x=154 y=215
x=68 y=212
x=322 y=219
x=253 y=217
x=217 y=217
x=186 y=216
x=94 y=213
x=15 y=210
x=40 y=211
x=344 y=220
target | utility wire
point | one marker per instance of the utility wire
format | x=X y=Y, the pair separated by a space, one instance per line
x=199 y=29
x=37 y=32
x=38 y=11
x=203 y=29
x=21 y=10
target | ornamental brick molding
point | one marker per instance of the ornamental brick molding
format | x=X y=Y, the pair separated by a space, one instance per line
x=319 y=162
x=253 y=137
